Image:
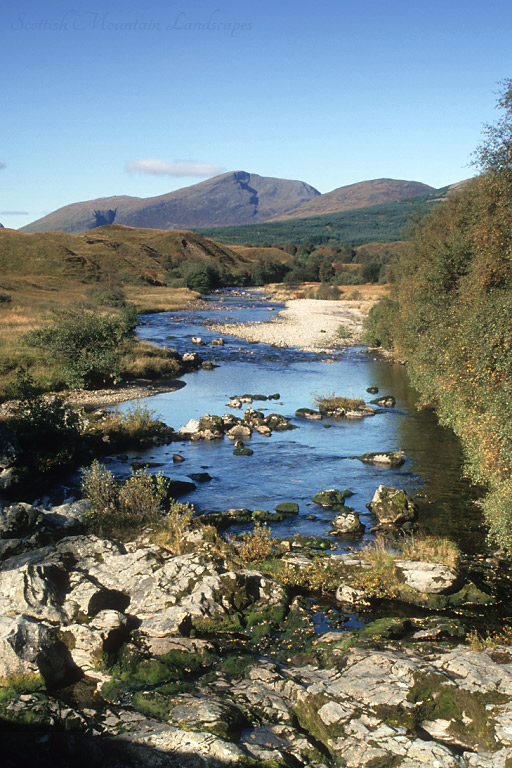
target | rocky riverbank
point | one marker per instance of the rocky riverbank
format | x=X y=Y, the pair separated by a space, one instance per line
x=143 y=656
x=310 y=324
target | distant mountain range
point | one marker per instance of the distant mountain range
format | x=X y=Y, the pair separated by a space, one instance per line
x=232 y=199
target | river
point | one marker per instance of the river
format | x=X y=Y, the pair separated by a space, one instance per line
x=294 y=465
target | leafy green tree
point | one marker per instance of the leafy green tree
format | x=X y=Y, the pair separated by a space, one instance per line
x=494 y=154
x=202 y=278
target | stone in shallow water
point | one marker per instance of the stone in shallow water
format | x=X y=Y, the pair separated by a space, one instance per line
x=347 y=522
x=308 y=413
x=392 y=506
x=288 y=508
x=392 y=459
x=329 y=498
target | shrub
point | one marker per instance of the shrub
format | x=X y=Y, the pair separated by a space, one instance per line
x=118 y=505
x=326 y=291
x=343 y=331
x=380 y=324
x=257 y=544
x=349 y=277
x=202 y=278
x=106 y=297
x=86 y=343
x=169 y=532
x=141 y=496
x=5 y=298
x=372 y=271
x=47 y=431
x=100 y=487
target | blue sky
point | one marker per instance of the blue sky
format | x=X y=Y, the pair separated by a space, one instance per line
x=108 y=98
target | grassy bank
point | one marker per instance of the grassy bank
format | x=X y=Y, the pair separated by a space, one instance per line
x=32 y=305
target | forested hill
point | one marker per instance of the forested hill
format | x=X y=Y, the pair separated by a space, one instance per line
x=377 y=223
x=359 y=195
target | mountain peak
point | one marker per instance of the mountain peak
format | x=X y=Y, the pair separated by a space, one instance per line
x=233 y=198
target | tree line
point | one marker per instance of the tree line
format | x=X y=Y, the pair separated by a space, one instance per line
x=450 y=317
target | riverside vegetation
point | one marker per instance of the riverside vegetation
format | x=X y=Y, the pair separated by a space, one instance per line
x=449 y=318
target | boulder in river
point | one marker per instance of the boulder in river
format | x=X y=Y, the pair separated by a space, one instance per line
x=308 y=413
x=392 y=506
x=200 y=477
x=346 y=523
x=330 y=498
x=385 y=401
x=179 y=487
x=392 y=459
x=239 y=430
x=190 y=428
x=430 y=578
x=279 y=423
x=191 y=359
x=288 y=508
x=241 y=449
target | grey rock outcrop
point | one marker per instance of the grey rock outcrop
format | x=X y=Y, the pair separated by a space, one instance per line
x=66 y=605
x=95 y=590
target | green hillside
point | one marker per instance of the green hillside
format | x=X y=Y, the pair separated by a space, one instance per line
x=376 y=223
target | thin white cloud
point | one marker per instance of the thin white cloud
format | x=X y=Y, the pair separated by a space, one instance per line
x=14 y=213
x=2 y=165
x=161 y=168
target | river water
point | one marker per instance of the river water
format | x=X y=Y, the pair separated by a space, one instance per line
x=295 y=465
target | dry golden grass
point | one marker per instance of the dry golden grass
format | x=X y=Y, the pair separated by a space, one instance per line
x=432 y=549
x=34 y=298
x=367 y=294
x=478 y=642
x=159 y=298
x=429 y=549
x=143 y=360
